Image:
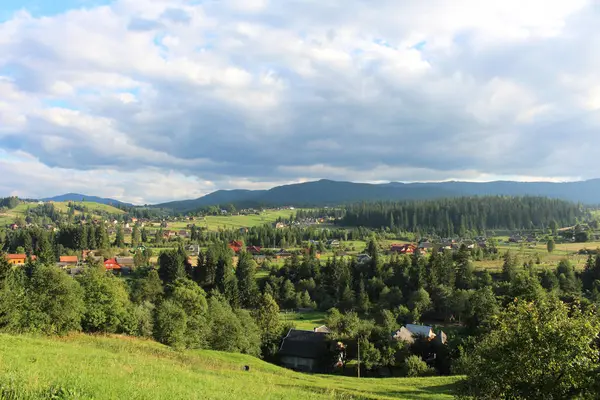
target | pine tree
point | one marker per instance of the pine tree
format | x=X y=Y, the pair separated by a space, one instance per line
x=245 y=272
x=171 y=266
x=120 y=237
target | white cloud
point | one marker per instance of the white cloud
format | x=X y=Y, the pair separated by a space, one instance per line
x=261 y=92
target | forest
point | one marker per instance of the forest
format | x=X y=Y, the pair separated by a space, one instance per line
x=456 y=216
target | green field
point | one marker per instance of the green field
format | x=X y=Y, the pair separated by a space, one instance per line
x=214 y=223
x=86 y=367
x=304 y=320
x=19 y=211
x=11 y=215
x=63 y=207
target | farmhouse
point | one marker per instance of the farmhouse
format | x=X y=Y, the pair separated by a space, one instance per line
x=409 y=332
x=18 y=259
x=302 y=350
x=68 y=261
x=125 y=262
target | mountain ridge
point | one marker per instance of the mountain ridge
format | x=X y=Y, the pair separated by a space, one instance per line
x=326 y=192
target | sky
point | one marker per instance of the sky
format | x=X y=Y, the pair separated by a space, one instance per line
x=148 y=101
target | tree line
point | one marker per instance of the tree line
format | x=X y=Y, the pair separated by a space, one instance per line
x=457 y=216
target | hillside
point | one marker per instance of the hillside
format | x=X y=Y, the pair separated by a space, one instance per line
x=326 y=192
x=85 y=367
x=92 y=207
x=79 y=197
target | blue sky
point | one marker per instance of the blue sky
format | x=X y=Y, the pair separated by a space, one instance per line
x=149 y=101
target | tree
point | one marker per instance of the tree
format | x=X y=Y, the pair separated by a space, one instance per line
x=414 y=366
x=171 y=266
x=120 y=237
x=41 y=300
x=171 y=323
x=550 y=245
x=146 y=286
x=509 y=267
x=419 y=302
x=5 y=267
x=545 y=350
x=136 y=236
x=248 y=290
x=106 y=302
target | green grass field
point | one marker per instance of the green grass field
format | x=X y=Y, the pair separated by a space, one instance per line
x=87 y=367
x=214 y=223
x=10 y=216
x=304 y=320
x=63 y=206
x=19 y=211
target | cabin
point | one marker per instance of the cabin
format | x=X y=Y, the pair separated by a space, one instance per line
x=253 y=249
x=125 y=263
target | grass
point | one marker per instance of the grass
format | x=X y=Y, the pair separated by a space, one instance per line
x=63 y=207
x=11 y=215
x=214 y=223
x=86 y=367
x=304 y=320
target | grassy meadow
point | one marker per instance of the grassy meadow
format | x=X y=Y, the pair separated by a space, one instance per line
x=11 y=215
x=88 y=367
x=63 y=207
x=214 y=223
x=306 y=321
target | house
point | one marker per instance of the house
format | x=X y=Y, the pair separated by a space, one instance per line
x=14 y=227
x=134 y=220
x=68 y=261
x=128 y=231
x=282 y=254
x=18 y=259
x=125 y=261
x=303 y=350
x=236 y=246
x=253 y=249
x=409 y=332
x=223 y=212
x=333 y=243
x=279 y=225
x=403 y=248
x=112 y=265
x=243 y=230
x=184 y=234
x=425 y=246
x=167 y=234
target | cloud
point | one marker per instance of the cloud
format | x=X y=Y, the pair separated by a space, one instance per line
x=261 y=92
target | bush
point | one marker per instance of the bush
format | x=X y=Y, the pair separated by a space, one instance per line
x=414 y=366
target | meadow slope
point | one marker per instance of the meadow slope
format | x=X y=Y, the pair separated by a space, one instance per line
x=86 y=367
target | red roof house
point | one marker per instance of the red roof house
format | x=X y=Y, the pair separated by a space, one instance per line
x=236 y=246
x=68 y=260
x=253 y=249
x=112 y=264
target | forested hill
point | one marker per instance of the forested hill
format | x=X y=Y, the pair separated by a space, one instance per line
x=457 y=215
x=327 y=192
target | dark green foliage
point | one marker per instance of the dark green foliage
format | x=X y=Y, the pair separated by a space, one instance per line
x=544 y=350
x=107 y=304
x=451 y=216
x=246 y=282
x=171 y=266
x=41 y=300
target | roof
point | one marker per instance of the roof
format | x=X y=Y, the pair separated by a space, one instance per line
x=304 y=344
x=322 y=329
x=16 y=256
x=68 y=259
x=111 y=263
x=421 y=330
x=124 y=260
x=404 y=335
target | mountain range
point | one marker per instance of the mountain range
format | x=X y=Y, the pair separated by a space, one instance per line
x=327 y=193
x=84 y=197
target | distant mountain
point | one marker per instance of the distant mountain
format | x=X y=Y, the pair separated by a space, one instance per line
x=81 y=197
x=327 y=192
